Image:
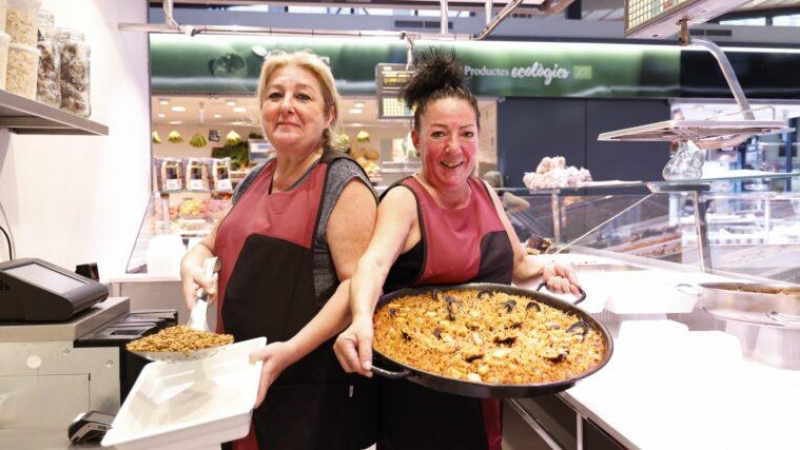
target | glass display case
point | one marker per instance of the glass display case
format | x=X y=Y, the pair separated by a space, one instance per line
x=749 y=233
x=172 y=222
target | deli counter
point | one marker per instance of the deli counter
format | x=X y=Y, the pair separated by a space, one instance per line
x=684 y=374
x=680 y=377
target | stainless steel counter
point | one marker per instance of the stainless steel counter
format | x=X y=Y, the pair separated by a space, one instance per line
x=677 y=379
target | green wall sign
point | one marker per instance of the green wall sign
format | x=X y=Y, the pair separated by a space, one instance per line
x=230 y=65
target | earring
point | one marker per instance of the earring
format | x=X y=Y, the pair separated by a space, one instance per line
x=418 y=153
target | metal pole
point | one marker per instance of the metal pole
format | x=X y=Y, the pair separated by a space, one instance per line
x=790 y=142
x=727 y=71
x=700 y=209
x=443 y=19
x=500 y=17
x=409 y=50
x=168 y=18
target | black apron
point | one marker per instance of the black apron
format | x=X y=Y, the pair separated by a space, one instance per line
x=466 y=245
x=313 y=404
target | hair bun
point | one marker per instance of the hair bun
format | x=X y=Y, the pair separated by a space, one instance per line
x=436 y=71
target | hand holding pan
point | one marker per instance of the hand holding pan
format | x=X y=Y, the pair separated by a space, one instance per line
x=581 y=298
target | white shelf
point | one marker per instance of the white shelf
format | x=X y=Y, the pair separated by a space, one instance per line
x=25 y=116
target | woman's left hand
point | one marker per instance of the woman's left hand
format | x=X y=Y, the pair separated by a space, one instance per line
x=277 y=357
x=560 y=278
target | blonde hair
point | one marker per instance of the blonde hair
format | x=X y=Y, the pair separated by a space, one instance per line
x=307 y=60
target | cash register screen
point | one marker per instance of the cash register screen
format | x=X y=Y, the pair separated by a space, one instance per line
x=44 y=277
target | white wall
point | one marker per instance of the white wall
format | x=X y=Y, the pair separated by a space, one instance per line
x=76 y=199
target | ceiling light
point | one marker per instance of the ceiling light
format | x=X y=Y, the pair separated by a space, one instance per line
x=179 y=108
x=356 y=124
x=358 y=104
x=175 y=122
x=240 y=109
x=230 y=103
x=217 y=116
x=163 y=101
x=162 y=116
x=355 y=111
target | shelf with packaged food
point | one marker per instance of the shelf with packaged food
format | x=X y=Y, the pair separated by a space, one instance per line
x=22 y=115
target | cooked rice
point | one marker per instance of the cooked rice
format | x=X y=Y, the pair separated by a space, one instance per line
x=486 y=343
x=179 y=339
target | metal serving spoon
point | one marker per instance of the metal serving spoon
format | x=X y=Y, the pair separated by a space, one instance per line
x=197 y=319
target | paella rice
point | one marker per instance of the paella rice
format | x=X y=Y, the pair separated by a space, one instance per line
x=179 y=339
x=487 y=337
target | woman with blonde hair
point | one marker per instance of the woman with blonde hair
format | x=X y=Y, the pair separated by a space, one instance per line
x=288 y=246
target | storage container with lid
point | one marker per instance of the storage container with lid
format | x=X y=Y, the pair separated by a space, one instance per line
x=75 y=55
x=4 y=40
x=48 y=86
x=23 y=62
x=22 y=21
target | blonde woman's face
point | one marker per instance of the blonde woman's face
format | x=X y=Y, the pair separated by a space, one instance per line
x=293 y=111
x=448 y=141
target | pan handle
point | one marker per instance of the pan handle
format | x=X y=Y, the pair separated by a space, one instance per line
x=580 y=299
x=405 y=373
x=689 y=289
x=787 y=320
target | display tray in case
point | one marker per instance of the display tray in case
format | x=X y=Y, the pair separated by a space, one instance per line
x=190 y=404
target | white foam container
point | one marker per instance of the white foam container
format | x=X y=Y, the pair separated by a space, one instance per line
x=190 y=404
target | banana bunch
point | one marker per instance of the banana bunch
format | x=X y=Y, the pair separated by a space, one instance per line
x=198 y=141
x=174 y=137
x=156 y=138
x=233 y=138
x=362 y=136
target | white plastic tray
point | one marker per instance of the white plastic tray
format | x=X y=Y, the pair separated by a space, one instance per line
x=190 y=404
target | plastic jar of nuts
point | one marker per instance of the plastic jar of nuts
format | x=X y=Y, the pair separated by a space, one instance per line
x=74 y=59
x=48 y=85
x=23 y=61
x=3 y=7
x=22 y=21
x=4 y=40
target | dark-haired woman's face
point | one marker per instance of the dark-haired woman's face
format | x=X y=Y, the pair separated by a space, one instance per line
x=448 y=141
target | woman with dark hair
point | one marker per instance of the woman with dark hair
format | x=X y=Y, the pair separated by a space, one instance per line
x=288 y=247
x=440 y=226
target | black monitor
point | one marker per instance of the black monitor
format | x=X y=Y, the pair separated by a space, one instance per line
x=35 y=290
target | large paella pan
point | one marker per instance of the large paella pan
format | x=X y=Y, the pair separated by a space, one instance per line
x=487 y=340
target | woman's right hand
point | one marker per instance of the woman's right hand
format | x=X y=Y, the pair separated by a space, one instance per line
x=193 y=278
x=353 y=347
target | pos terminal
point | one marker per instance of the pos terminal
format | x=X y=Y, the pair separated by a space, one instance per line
x=33 y=290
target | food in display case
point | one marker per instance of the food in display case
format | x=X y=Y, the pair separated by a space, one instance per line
x=189 y=216
x=168 y=174
x=553 y=173
x=197 y=174
x=221 y=174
